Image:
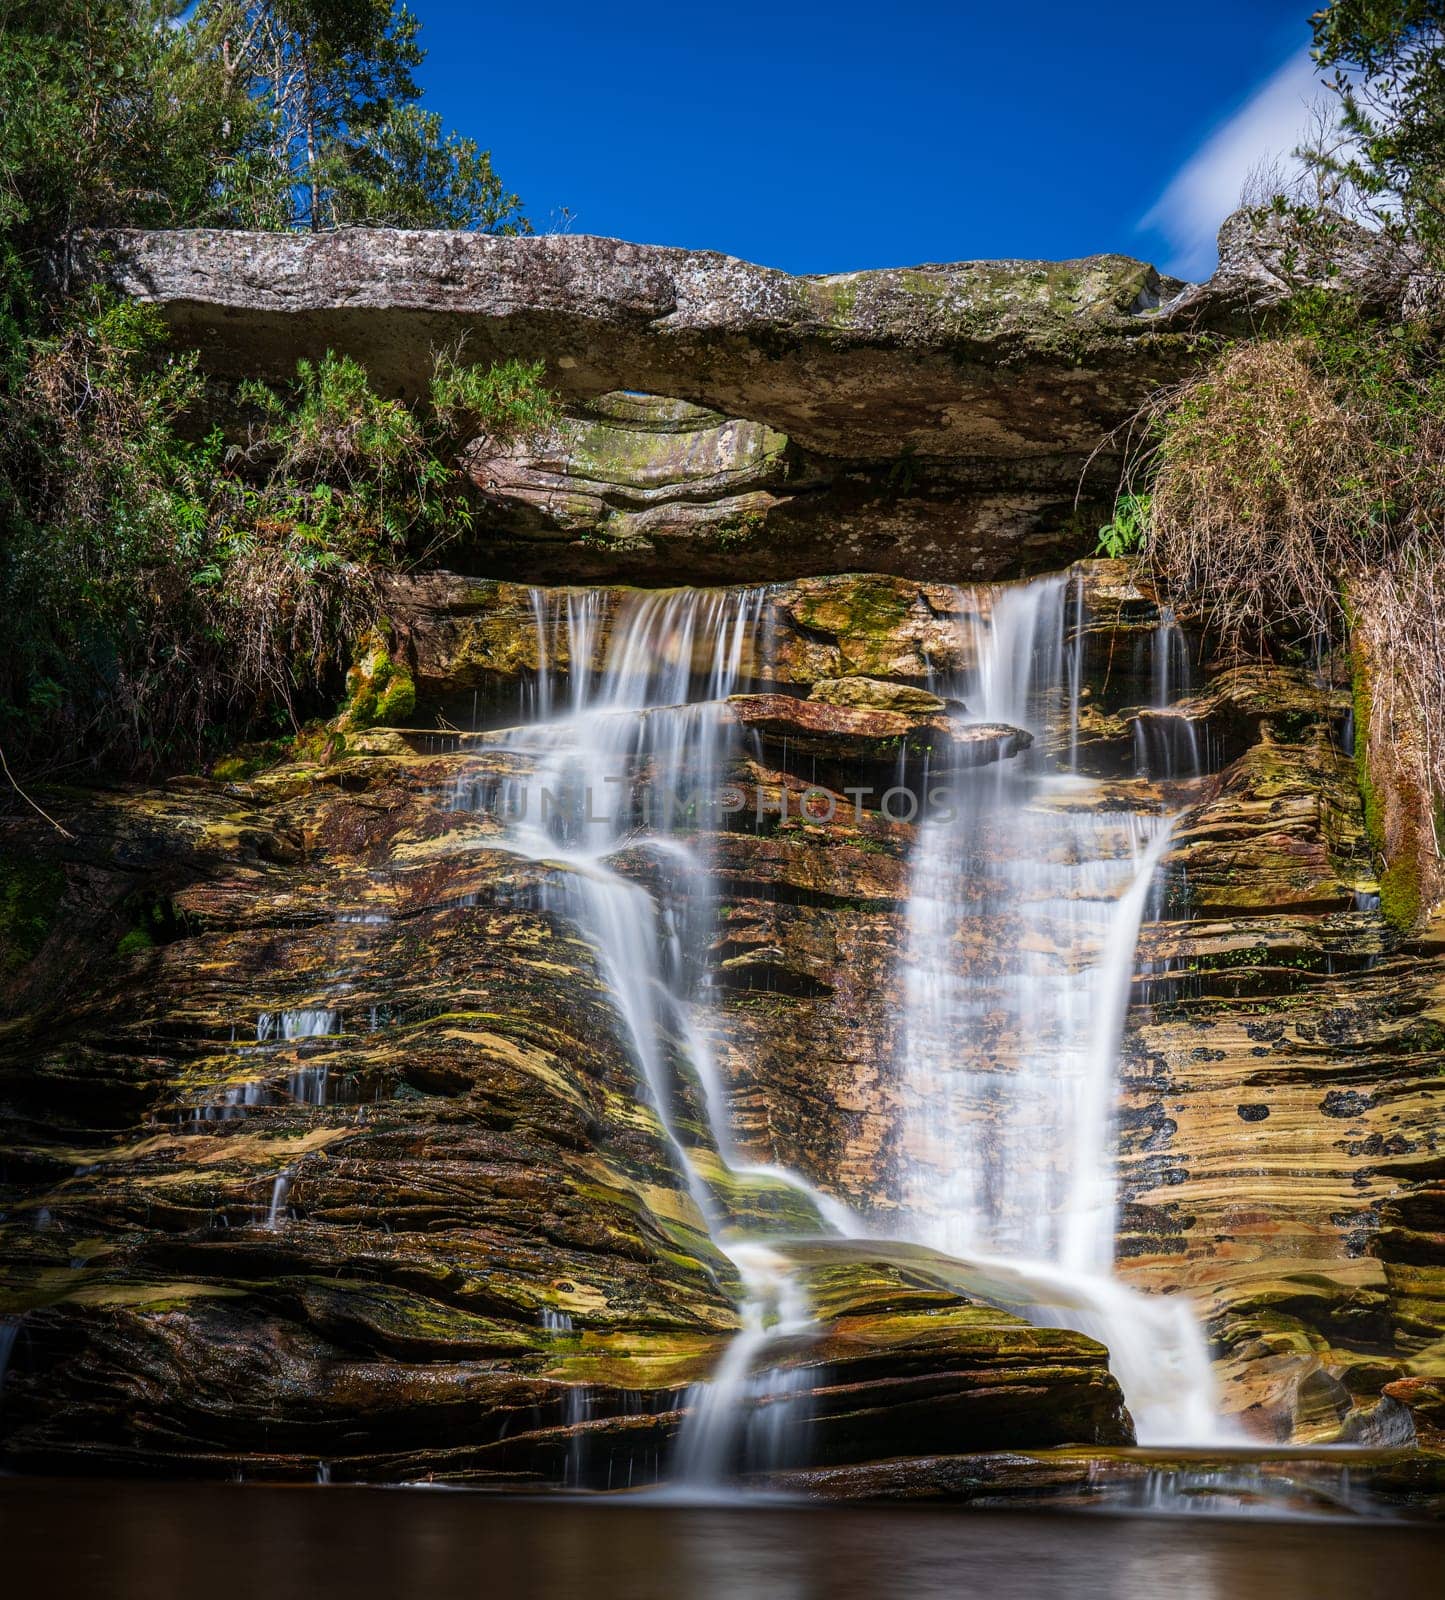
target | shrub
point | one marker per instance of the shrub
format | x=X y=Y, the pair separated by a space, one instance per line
x=505 y=402
x=1296 y=491
x=167 y=592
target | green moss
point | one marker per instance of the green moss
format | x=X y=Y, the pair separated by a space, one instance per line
x=861 y=609
x=233 y=769
x=131 y=943
x=317 y=744
x=1361 y=699
x=845 y=298
x=1400 y=897
x=30 y=895
x=740 y=531
x=379 y=689
x=397 y=700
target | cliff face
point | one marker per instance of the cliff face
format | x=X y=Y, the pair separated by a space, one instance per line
x=324 y=1145
x=322 y=1141
x=728 y=422
x=724 y=420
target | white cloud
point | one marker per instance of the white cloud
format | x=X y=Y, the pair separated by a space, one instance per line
x=1268 y=126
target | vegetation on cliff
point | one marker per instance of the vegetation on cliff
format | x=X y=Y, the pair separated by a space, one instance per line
x=170 y=583
x=1292 y=490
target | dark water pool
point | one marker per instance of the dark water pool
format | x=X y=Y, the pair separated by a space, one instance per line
x=127 y=1541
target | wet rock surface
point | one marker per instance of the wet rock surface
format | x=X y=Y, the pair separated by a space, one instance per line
x=321 y=1142
x=322 y=1145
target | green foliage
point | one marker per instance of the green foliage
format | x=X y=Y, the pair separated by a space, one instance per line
x=507 y=401
x=740 y=531
x=165 y=591
x=110 y=118
x=30 y=895
x=410 y=175
x=350 y=475
x=1389 y=61
x=332 y=133
x=1125 y=533
x=903 y=472
x=104 y=506
x=162 y=589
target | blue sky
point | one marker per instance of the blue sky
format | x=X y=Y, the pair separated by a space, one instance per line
x=824 y=138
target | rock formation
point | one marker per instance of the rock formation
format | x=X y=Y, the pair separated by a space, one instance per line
x=322 y=1141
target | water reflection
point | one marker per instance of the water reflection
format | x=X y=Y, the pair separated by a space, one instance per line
x=124 y=1541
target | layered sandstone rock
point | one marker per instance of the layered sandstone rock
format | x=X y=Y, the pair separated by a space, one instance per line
x=475 y=1253
x=322 y=1145
x=725 y=421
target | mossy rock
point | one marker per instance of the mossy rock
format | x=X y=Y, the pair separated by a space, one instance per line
x=380 y=690
x=875 y=694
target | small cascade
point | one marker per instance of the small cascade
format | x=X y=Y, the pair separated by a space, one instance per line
x=1166 y=744
x=741 y=1416
x=307 y=1085
x=1021 y=929
x=577 y=1412
x=642 y=695
x=285 y=1025
x=235 y=1102
x=280 y=1193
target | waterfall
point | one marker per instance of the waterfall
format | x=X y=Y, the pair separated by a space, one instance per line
x=1027 y=894
x=280 y=1192
x=1166 y=744
x=1023 y=915
x=642 y=696
x=740 y=1411
x=307 y=1085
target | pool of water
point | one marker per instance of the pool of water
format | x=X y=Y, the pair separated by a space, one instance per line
x=126 y=1541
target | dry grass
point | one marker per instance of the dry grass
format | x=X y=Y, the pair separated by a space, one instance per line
x=1295 y=489
x=283 y=626
x=1266 y=493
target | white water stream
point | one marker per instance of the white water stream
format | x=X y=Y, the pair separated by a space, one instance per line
x=1022 y=924
x=1008 y=1058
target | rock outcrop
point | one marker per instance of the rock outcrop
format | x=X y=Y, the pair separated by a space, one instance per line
x=724 y=420
x=728 y=421
x=979 y=359
x=322 y=1143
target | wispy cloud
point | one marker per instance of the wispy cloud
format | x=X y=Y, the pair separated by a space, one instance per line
x=1267 y=127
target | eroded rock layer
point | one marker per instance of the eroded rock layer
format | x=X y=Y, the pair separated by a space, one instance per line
x=725 y=421
x=322 y=1142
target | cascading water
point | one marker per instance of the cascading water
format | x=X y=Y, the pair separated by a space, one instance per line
x=738 y=1398
x=644 y=688
x=1028 y=892
x=1166 y=744
x=307 y=1085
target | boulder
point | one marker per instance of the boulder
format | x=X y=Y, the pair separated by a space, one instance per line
x=875 y=694
x=870 y=738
